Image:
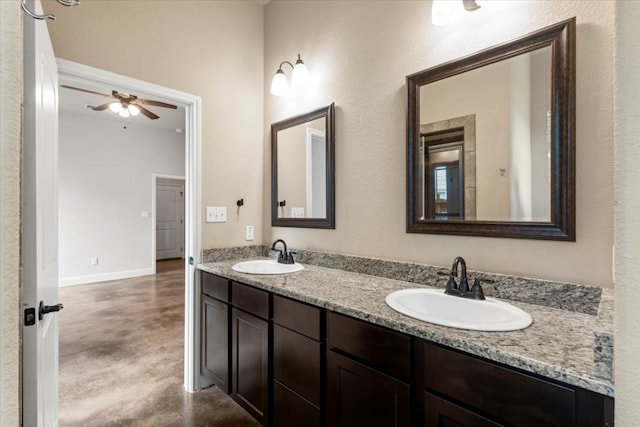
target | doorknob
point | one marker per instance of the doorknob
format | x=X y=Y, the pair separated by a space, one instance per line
x=44 y=309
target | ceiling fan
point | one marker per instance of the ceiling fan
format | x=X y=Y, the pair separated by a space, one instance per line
x=126 y=104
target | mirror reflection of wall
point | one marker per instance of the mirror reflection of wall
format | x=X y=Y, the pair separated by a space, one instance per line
x=302 y=170
x=511 y=102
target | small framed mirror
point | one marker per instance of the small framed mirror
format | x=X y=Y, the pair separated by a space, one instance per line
x=490 y=141
x=303 y=170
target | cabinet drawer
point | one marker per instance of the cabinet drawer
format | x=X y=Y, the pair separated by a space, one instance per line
x=215 y=286
x=252 y=300
x=510 y=396
x=292 y=410
x=297 y=316
x=296 y=363
x=381 y=348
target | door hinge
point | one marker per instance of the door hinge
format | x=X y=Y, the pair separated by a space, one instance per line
x=29 y=316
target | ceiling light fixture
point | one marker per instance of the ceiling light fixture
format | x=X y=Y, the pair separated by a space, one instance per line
x=299 y=78
x=124 y=110
x=444 y=12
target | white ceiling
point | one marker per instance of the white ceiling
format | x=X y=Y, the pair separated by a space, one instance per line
x=73 y=101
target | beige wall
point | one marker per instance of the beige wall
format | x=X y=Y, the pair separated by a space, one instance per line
x=10 y=144
x=359 y=54
x=627 y=231
x=212 y=49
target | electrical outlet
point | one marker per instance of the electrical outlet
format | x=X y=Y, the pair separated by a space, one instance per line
x=216 y=214
x=94 y=261
x=297 y=212
x=249 y=233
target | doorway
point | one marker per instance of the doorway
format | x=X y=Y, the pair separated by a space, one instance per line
x=168 y=217
x=79 y=74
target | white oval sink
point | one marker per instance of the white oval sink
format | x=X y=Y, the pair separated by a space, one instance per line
x=266 y=266
x=434 y=306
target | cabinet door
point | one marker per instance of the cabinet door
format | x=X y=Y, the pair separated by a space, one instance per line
x=290 y=409
x=440 y=413
x=215 y=342
x=360 y=396
x=250 y=364
x=297 y=363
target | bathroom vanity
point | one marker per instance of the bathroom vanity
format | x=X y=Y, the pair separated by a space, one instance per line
x=320 y=347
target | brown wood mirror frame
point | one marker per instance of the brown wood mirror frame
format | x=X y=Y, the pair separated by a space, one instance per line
x=561 y=226
x=328 y=201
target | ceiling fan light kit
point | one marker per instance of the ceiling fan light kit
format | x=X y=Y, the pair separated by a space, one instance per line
x=126 y=105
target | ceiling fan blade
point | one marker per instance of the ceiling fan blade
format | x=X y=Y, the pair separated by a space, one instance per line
x=101 y=107
x=87 y=91
x=156 y=103
x=147 y=113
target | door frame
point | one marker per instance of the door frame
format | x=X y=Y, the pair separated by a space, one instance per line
x=154 y=188
x=79 y=74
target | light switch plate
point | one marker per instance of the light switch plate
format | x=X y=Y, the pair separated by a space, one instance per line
x=297 y=212
x=249 y=233
x=216 y=214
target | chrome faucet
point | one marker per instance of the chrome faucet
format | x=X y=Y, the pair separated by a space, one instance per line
x=284 y=256
x=462 y=290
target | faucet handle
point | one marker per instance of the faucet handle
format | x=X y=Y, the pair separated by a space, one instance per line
x=476 y=289
x=452 y=286
x=289 y=257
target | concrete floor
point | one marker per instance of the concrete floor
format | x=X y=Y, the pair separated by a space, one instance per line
x=121 y=357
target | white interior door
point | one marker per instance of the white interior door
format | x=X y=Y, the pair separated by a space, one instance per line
x=40 y=225
x=316 y=154
x=169 y=219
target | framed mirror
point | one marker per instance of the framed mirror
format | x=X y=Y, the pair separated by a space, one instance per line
x=302 y=170
x=491 y=141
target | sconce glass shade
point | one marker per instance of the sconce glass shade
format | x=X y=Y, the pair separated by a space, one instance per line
x=115 y=107
x=133 y=110
x=444 y=12
x=279 y=84
x=300 y=75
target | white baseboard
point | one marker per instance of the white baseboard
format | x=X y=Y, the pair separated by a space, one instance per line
x=104 y=277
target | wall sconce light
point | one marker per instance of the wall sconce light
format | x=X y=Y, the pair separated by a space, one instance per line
x=444 y=12
x=299 y=78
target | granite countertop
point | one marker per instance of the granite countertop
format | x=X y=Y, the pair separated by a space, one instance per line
x=559 y=344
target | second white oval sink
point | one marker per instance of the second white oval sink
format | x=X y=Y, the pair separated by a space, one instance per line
x=434 y=306
x=266 y=266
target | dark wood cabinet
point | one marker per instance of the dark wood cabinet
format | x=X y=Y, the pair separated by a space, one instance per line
x=250 y=352
x=289 y=363
x=475 y=392
x=442 y=413
x=215 y=356
x=358 y=395
x=367 y=372
x=298 y=364
x=215 y=342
